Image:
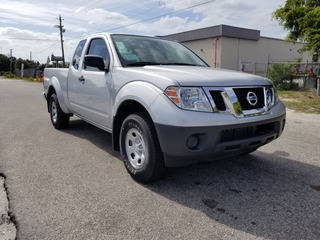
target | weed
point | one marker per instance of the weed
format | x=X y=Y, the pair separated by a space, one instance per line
x=304 y=100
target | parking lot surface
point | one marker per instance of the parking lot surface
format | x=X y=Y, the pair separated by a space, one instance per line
x=69 y=184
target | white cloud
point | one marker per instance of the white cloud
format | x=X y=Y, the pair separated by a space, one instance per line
x=175 y=24
x=80 y=9
x=22 y=42
x=33 y=19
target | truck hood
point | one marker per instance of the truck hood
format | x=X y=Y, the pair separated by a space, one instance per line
x=164 y=76
x=198 y=76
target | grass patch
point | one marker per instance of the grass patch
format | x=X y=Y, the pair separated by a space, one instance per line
x=30 y=79
x=304 y=100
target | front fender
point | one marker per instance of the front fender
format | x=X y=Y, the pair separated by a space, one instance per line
x=141 y=92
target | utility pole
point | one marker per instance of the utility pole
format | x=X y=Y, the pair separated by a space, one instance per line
x=62 y=30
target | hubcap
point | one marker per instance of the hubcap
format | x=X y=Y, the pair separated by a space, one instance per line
x=54 y=112
x=135 y=148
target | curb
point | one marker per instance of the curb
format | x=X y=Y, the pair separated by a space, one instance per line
x=8 y=230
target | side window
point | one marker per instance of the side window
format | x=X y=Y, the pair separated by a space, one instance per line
x=98 y=47
x=77 y=54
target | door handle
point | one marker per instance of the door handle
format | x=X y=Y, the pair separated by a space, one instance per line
x=81 y=79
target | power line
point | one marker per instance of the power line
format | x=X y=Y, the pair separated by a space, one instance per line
x=148 y=10
x=28 y=39
x=48 y=47
x=68 y=12
x=166 y=4
x=149 y=19
x=163 y=15
x=75 y=6
x=62 y=30
x=49 y=28
x=138 y=14
x=154 y=7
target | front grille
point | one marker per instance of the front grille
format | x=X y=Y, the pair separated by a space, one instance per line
x=218 y=100
x=242 y=97
x=241 y=102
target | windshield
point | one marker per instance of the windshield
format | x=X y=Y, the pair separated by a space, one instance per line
x=142 y=51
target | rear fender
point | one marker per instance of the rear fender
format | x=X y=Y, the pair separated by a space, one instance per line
x=54 y=83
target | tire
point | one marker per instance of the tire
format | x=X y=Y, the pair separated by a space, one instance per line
x=140 y=149
x=58 y=118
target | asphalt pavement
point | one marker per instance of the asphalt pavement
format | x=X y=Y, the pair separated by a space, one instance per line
x=70 y=185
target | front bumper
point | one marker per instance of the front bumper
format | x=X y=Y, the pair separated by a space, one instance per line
x=215 y=142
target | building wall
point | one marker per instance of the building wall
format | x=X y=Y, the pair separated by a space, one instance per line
x=205 y=48
x=232 y=51
x=278 y=49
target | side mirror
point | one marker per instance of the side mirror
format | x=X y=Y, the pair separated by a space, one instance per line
x=95 y=61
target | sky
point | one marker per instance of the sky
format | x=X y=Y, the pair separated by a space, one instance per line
x=28 y=27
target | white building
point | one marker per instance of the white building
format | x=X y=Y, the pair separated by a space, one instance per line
x=227 y=47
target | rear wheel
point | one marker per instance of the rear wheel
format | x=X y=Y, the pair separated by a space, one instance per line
x=59 y=119
x=140 y=148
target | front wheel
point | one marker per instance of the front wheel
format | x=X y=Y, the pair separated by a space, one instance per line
x=140 y=148
x=59 y=119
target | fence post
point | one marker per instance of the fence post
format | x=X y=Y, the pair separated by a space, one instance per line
x=267 y=67
x=306 y=69
x=22 y=69
x=241 y=66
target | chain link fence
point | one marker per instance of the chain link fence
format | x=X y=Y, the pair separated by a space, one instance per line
x=303 y=74
x=28 y=73
x=254 y=68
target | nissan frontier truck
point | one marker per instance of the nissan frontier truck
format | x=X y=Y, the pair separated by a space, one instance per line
x=163 y=105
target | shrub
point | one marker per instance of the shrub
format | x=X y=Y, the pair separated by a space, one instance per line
x=9 y=75
x=281 y=75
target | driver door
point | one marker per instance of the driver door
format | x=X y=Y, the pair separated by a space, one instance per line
x=93 y=95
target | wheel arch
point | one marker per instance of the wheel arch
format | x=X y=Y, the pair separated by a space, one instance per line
x=51 y=91
x=125 y=109
x=133 y=97
x=55 y=88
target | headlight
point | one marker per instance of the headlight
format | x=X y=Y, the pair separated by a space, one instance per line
x=276 y=96
x=189 y=98
x=271 y=96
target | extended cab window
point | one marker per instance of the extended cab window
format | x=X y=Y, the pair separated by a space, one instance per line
x=77 y=54
x=97 y=47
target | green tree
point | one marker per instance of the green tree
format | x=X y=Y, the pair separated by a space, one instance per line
x=302 y=19
x=42 y=67
x=4 y=63
x=27 y=63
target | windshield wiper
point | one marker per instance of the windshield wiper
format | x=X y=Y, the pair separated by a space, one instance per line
x=139 y=64
x=181 y=64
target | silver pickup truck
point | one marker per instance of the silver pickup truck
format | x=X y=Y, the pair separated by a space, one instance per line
x=163 y=105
